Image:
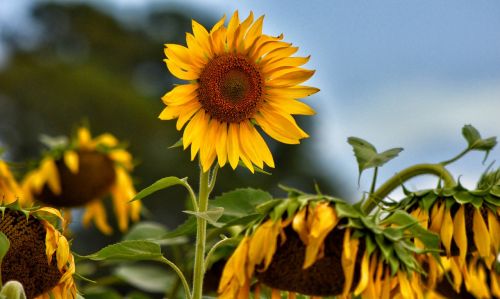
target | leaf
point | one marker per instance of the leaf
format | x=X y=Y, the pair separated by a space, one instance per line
x=148 y=278
x=177 y=144
x=159 y=185
x=475 y=142
x=345 y=210
x=240 y=202
x=12 y=290
x=367 y=156
x=129 y=250
x=211 y=216
x=154 y=232
x=187 y=228
x=102 y=293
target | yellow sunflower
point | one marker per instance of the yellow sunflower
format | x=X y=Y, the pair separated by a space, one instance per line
x=10 y=191
x=238 y=79
x=81 y=174
x=39 y=256
x=468 y=223
x=323 y=248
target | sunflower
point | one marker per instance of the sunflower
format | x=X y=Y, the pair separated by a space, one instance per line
x=468 y=223
x=239 y=78
x=10 y=191
x=324 y=247
x=39 y=256
x=81 y=173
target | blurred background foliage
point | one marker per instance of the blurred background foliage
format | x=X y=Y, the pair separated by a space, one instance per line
x=83 y=64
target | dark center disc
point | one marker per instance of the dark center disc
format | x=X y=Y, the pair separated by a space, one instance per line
x=94 y=179
x=324 y=278
x=231 y=88
x=26 y=260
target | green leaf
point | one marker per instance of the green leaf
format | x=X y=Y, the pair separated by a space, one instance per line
x=240 y=202
x=159 y=185
x=367 y=156
x=177 y=144
x=345 y=210
x=148 y=278
x=129 y=250
x=267 y=206
x=187 y=228
x=475 y=142
x=101 y=293
x=243 y=220
x=154 y=232
x=211 y=216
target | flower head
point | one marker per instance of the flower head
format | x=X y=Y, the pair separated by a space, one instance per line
x=39 y=256
x=324 y=247
x=239 y=79
x=81 y=174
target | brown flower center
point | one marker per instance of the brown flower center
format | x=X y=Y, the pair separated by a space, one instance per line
x=324 y=278
x=26 y=260
x=94 y=178
x=231 y=88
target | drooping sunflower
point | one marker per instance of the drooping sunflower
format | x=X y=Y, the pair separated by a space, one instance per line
x=239 y=79
x=468 y=223
x=81 y=174
x=324 y=247
x=39 y=256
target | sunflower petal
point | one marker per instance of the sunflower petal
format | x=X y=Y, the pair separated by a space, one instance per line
x=481 y=234
x=459 y=234
x=447 y=231
x=71 y=160
x=233 y=150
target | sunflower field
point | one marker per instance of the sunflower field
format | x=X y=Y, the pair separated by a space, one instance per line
x=106 y=191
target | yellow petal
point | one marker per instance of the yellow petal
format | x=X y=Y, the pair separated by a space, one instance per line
x=49 y=169
x=71 y=161
x=275 y=132
x=237 y=261
x=180 y=73
x=95 y=211
x=291 y=78
x=460 y=235
x=290 y=106
x=363 y=282
x=299 y=225
x=447 y=231
x=437 y=217
x=262 y=147
x=481 y=234
x=233 y=150
x=494 y=229
x=84 y=138
x=207 y=151
x=231 y=28
x=202 y=37
x=348 y=260
x=404 y=285
x=62 y=252
x=295 y=92
x=247 y=144
x=221 y=144
x=201 y=131
x=324 y=220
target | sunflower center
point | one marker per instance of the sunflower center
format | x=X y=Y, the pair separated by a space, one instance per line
x=94 y=179
x=26 y=260
x=231 y=88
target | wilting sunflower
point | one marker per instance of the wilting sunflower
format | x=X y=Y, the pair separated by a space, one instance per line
x=324 y=247
x=39 y=256
x=239 y=78
x=81 y=173
x=10 y=191
x=468 y=223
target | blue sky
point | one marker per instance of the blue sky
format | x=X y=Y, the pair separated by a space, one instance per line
x=397 y=73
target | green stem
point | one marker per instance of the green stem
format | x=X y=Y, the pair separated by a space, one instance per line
x=374 y=181
x=216 y=245
x=403 y=176
x=465 y=151
x=201 y=232
x=191 y=195
x=179 y=273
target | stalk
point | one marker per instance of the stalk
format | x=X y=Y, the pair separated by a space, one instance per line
x=201 y=235
x=399 y=178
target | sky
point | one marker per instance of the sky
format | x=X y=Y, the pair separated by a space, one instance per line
x=397 y=73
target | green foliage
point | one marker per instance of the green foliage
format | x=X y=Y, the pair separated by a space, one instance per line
x=129 y=250
x=159 y=185
x=475 y=142
x=367 y=155
x=146 y=277
x=154 y=232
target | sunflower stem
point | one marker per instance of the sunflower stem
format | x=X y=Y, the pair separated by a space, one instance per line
x=399 y=178
x=179 y=273
x=201 y=232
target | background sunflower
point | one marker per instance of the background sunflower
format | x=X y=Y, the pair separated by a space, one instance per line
x=80 y=174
